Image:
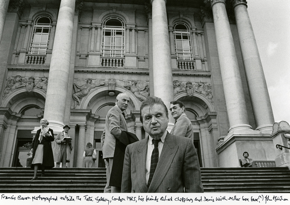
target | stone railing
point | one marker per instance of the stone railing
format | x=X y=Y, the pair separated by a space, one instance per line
x=35 y=59
x=185 y=64
x=112 y=62
x=265 y=163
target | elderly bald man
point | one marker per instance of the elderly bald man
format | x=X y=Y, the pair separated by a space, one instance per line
x=114 y=125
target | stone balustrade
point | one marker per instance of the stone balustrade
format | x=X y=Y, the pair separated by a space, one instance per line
x=112 y=62
x=35 y=59
x=185 y=65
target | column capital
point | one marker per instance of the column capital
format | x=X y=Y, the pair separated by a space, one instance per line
x=213 y=2
x=239 y=2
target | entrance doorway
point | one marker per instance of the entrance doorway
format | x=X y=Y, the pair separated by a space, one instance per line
x=22 y=148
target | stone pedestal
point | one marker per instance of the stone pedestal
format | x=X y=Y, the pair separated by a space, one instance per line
x=260 y=148
x=281 y=136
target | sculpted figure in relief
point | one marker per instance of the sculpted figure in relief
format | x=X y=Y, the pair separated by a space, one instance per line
x=30 y=84
x=83 y=90
x=139 y=88
x=178 y=87
x=41 y=83
x=189 y=88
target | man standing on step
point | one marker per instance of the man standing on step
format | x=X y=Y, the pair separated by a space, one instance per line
x=246 y=162
x=64 y=147
x=161 y=162
x=182 y=126
x=114 y=125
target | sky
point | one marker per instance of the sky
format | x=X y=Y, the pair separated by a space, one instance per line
x=271 y=24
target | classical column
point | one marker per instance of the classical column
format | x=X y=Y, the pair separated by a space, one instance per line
x=51 y=36
x=92 y=43
x=232 y=84
x=60 y=66
x=150 y=53
x=81 y=145
x=133 y=41
x=172 y=47
x=72 y=134
x=162 y=73
x=254 y=69
x=127 y=40
x=99 y=38
x=25 y=46
x=3 y=10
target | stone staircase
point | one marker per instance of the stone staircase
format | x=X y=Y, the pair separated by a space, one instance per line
x=93 y=180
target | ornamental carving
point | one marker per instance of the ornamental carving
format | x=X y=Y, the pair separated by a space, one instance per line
x=139 y=88
x=29 y=83
x=82 y=89
x=191 y=88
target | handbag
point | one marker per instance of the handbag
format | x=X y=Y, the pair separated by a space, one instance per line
x=94 y=156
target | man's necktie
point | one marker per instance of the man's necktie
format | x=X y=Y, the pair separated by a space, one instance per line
x=154 y=160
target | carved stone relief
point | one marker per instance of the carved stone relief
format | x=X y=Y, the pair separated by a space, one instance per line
x=82 y=89
x=139 y=88
x=16 y=82
x=191 y=88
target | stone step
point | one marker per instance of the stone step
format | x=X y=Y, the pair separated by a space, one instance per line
x=82 y=180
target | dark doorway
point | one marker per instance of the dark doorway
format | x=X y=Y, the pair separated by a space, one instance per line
x=23 y=147
x=196 y=143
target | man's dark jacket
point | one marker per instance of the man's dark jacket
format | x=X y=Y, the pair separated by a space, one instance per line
x=117 y=169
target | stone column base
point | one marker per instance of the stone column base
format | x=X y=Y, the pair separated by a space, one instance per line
x=283 y=160
x=259 y=147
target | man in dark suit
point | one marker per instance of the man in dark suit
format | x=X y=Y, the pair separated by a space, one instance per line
x=161 y=162
x=114 y=125
x=182 y=126
x=246 y=162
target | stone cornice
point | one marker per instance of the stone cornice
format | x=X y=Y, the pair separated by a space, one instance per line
x=238 y=2
x=28 y=68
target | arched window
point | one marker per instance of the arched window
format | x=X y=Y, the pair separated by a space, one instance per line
x=182 y=42
x=40 y=37
x=113 y=38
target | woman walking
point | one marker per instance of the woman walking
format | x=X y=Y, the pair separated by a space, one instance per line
x=89 y=155
x=41 y=148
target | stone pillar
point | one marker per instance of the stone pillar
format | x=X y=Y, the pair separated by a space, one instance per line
x=90 y=131
x=72 y=134
x=127 y=40
x=254 y=69
x=10 y=143
x=232 y=84
x=162 y=73
x=51 y=36
x=81 y=145
x=56 y=94
x=281 y=142
x=172 y=46
x=3 y=10
x=92 y=43
x=6 y=45
x=99 y=38
x=133 y=43
x=150 y=53
x=24 y=49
